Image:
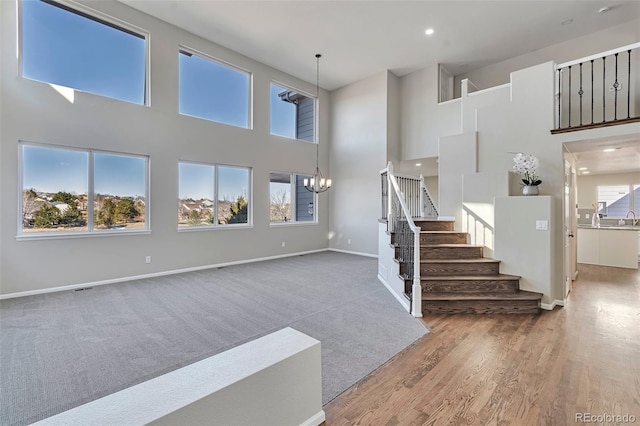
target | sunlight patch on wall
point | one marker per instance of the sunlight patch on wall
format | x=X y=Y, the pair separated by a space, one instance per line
x=67 y=92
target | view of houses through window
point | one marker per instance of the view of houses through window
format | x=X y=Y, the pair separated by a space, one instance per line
x=212 y=195
x=617 y=200
x=57 y=195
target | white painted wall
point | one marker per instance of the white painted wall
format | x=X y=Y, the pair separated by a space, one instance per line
x=358 y=152
x=588 y=185
x=601 y=41
x=33 y=111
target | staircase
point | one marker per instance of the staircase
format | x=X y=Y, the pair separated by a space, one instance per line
x=456 y=278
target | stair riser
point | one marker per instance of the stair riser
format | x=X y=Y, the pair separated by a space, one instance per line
x=450 y=252
x=453 y=238
x=481 y=307
x=464 y=286
x=436 y=225
x=460 y=268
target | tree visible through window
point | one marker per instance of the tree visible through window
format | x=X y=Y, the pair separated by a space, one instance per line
x=290 y=201
x=212 y=195
x=70 y=48
x=57 y=194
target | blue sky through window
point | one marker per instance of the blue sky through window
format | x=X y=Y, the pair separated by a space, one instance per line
x=119 y=175
x=53 y=170
x=283 y=114
x=70 y=50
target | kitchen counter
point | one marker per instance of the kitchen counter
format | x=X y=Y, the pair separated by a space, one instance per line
x=608 y=246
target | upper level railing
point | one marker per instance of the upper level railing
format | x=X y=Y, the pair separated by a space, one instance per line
x=599 y=90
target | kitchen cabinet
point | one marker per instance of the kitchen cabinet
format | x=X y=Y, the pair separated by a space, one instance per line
x=608 y=246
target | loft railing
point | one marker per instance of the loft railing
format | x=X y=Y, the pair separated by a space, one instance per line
x=599 y=90
x=406 y=238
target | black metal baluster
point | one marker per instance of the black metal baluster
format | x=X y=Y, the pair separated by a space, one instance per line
x=569 y=96
x=629 y=85
x=604 y=88
x=615 y=92
x=592 y=91
x=581 y=92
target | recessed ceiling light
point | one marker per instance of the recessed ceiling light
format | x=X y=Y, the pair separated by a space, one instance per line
x=566 y=21
x=608 y=150
x=418 y=164
x=582 y=168
x=429 y=31
x=586 y=172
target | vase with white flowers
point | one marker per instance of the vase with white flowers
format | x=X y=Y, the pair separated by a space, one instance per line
x=526 y=165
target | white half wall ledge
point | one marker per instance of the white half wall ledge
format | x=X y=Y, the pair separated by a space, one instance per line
x=273 y=380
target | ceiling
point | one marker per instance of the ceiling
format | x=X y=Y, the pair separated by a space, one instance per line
x=360 y=38
x=590 y=154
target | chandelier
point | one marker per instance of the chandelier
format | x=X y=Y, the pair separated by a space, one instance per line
x=317 y=183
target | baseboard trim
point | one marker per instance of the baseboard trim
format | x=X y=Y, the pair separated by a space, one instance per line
x=404 y=303
x=550 y=306
x=152 y=275
x=315 y=420
x=357 y=253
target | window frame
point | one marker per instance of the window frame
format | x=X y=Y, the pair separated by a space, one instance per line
x=182 y=49
x=292 y=184
x=102 y=18
x=91 y=230
x=215 y=225
x=634 y=203
x=315 y=112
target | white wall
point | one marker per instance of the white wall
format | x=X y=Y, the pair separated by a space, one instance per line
x=33 y=111
x=601 y=41
x=358 y=153
x=588 y=185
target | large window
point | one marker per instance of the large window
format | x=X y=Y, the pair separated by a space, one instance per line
x=68 y=190
x=213 y=90
x=615 y=201
x=292 y=114
x=70 y=48
x=212 y=195
x=290 y=200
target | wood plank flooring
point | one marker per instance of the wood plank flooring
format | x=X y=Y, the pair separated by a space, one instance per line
x=513 y=369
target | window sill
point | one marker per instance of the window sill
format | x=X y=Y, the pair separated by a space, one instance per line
x=213 y=228
x=285 y=224
x=73 y=235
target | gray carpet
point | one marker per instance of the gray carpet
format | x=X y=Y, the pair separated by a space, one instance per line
x=61 y=350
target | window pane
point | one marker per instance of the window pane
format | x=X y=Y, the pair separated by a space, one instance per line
x=119 y=191
x=280 y=192
x=292 y=114
x=305 y=201
x=54 y=189
x=68 y=49
x=636 y=200
x=617 y=200
x=213 y=91
x=233 y=195
x=195 y=194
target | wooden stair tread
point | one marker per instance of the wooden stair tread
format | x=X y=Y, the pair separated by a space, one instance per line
x=451 y=245
x=473 y=260
x=520 y=295
x=500 y=277
x=442 y=232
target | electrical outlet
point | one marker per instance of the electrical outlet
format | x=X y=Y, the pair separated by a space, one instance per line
x=542 y=225
x=147 y=259
x=348 y=241
x=284 y=244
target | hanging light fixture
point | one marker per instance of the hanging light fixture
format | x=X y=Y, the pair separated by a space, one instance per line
x=317 y=183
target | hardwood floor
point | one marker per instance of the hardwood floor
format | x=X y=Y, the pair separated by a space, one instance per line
x=514 y=369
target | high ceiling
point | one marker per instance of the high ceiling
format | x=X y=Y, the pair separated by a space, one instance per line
x=360 y=38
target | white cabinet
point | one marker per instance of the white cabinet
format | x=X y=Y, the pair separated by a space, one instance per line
x=608 y=247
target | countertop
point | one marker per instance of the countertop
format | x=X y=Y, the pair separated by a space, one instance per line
x=613 y=228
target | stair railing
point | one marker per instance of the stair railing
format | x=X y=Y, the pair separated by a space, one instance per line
x=406 y=236
x=428 y=209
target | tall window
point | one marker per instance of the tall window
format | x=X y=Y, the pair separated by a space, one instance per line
x=68 y=190
x=67 y=47
x=292 y=114
x=617 y=200
x=290 y=201
x=212 y=90
x=212 y=195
